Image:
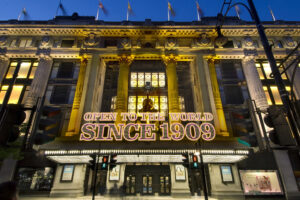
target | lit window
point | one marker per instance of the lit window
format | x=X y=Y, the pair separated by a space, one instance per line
x=25 y=43
x=113 y=103
x=139 y=79
x=135 y=103
x=260 y=72
x=3 y=92
x=11 y=70
x=267 y=95
x=24 y=68
x=267 y=70
x=276 y=95
x=181 y=104
x=33 y=69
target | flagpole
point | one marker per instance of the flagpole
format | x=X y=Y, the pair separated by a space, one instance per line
x=57 y=8
x=127 y=11
x=237 y=12
x=273 y=16
x=198 y=15
x=168 y=11
x=97 y=13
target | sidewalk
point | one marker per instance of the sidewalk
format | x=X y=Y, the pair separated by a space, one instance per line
x=112 y=198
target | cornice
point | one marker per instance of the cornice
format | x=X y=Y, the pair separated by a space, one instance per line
x=139 y=31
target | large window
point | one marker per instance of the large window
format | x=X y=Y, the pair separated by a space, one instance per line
x=139 y=79
x=21 y=84
x=269 y=86
x=62 y=83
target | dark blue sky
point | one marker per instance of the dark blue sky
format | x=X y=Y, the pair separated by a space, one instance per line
x=153 y=9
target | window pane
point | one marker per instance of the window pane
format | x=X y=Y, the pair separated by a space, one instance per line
x=276 y=95
x=24 y=68
x=3 y=92
x=23 y=43
x=233 y=94
x=10 y=72
x=259 y=70
x=283 y=76
x=60 y=94
x=67 y=43
x=162 y=80
x=65 y=70
x=267 y=95
x=15 y=94
x=267 y=70
x=32 y=73
x=133 y=80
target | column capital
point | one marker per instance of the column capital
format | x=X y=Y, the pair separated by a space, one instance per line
x=171 y=58
x=4 y=57
x=125 y=59
x=250 y=54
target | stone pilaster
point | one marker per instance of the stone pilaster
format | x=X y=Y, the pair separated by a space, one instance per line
x=39 y=83
x=123 y=78
x=170 y=62
x=4 y=62
x=253 y=82
x=290 y=72
x=77 y=98
x=222 y=129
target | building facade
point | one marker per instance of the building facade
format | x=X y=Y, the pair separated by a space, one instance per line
x=77 y=73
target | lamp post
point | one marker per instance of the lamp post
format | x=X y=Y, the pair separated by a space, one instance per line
x=275 y=71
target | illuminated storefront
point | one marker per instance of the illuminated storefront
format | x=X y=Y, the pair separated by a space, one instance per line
x=144 y=95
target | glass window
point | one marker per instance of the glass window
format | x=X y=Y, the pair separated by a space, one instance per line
x=25 y=43
x=139 y=79
x=135 y=103
x=11 y=70
x=3 y=92
x=260 y=72
x=267 y=95
x=276 y=95
x=60 y=94
x=267 y=70
x=15 y=94
x=65 y=70
x=67 y=43
x=24 y=69
x=33 y=69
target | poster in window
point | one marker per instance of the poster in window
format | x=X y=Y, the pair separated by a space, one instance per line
x=226 y=173
x=179 y=173
x=260 y=182
x=67 y=173
x=114 y=174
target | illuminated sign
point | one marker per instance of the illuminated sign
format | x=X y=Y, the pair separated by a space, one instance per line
x=101 y=126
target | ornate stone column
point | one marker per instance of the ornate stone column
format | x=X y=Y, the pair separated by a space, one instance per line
x=123 y=78
x=217 y=98
x=170 y=62
x=253 y=82
x=39 y=83
x=4 y=62
x=77 y=98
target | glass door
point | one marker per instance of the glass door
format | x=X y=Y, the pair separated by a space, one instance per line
x=130 y=185
x=147 y=185
x=164 y=185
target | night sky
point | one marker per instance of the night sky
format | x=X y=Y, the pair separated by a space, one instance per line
x=143 y=9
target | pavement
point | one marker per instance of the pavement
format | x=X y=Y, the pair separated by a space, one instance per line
x=113 y=198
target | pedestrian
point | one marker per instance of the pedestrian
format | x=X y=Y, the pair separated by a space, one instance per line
x=8 y=191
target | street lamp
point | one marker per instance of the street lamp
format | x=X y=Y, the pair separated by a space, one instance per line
x=275 y=71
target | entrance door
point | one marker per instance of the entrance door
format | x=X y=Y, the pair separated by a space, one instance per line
x=147 y=185
x=164 y=185
x=130 y=185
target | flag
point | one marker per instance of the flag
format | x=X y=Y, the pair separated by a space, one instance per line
x=272 y=14
x=200 y=13
x=101 y=6
x=24 y=13
x=238 y=11
x=171 y=10
x=129 y=10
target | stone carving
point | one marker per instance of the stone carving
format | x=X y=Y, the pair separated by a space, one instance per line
x=248 y=42
x=289 y=41
x=3 y=40
x=91 y=40
x=45 y=43
x=124 y=43
x=203 y=41
x=171 y=43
